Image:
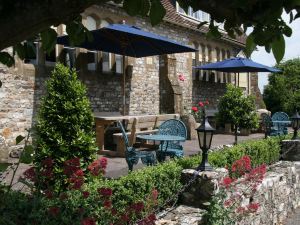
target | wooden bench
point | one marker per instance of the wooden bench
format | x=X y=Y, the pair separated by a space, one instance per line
x=147 y=124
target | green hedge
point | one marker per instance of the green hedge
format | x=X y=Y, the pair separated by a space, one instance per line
x=137 y=185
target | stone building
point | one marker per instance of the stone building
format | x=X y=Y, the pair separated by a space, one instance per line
x=152 y=83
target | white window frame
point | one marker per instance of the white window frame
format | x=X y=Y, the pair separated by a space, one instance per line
x=119 y=63
x=192 y=15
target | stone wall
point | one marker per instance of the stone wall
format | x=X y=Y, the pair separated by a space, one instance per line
x=278 y=196
x=207 y=90
x=152 y=83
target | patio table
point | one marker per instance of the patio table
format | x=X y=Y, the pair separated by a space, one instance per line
x=161 y=138
x=102 y=123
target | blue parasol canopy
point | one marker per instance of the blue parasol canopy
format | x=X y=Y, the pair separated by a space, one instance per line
x=238 y=65
x=129 y=40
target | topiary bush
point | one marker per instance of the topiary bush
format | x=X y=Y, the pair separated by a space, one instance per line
x=64 y=127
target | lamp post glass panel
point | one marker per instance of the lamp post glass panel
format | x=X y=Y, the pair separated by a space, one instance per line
x=295 y=124
x=205 y=134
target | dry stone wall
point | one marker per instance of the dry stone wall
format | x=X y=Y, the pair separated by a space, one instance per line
x=278 y=196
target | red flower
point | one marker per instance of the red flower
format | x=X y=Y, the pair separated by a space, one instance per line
x=201 y=104
x=107 y=204
x=30 y=174
x=49 y=194
x=253 y=207
x=138 y=207
x=181 y=77
x=79 y=173
x=227 y=181
x=63 y=196
x=85 y=194
x=125 y=218
x=105 y=191
x=228 y=203
x=98 y=166
x=53 y=211
x=195 y=109
x=154 y=194
x=76 y=183
x=206 y=102
x=48 y=162
x=151 y=217
x=88 y=221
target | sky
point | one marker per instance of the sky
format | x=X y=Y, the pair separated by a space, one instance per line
x=292 y=50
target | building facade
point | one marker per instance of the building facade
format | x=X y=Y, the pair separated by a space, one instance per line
x=152 y=83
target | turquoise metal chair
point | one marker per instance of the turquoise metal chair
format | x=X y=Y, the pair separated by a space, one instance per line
x=171 y=148
x=280 y=121
x=132 y=155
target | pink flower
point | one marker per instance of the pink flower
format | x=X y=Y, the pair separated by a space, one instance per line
x=181 y=77
x=195 y=109
x=201 y=104
x=206 y=102
x=98 y=166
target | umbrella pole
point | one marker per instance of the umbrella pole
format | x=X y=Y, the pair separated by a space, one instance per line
x=238 y=84
x=124 y=84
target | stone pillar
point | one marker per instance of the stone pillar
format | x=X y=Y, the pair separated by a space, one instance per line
x=169 y=69
x=202 y=189
x=290 y=150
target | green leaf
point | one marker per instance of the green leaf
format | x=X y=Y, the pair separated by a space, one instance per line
x=278 y=48
x=27 y=154
x=132 y=7
x=291 y=16
x=6 y=59
x=21 y=50
x=287 y=31
x=250 y=45
x=19 y=139
x=48 y=38
x=157 y=12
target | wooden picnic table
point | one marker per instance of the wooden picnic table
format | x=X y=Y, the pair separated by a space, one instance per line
x=102 y=122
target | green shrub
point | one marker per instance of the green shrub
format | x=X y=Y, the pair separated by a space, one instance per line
x=65 y=125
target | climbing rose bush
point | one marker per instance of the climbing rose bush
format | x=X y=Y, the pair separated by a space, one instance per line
x=199 y=110
x=237 y=191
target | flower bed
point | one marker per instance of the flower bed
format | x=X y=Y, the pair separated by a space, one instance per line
x=131 y=193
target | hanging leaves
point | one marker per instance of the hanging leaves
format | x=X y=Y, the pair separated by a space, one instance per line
x=157 y=12
x=278 y=48
x=6 y=59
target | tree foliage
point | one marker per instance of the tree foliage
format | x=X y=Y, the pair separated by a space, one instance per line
x=34 y=18
x=283 y=91
x=65 y=124
x=237 y=109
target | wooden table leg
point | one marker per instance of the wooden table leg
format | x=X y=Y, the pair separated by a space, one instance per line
x=100 y=135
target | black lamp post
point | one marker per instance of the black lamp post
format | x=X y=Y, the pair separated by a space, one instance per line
x=205 y=133
x=295 y=124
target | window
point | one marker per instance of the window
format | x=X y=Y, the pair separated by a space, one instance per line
x=198 y=15
x=106 y=56
x=31 y=54
x=91 y=55
x=119 y=64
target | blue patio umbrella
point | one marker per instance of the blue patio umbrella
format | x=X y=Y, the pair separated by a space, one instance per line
x=127 y=40
x=238 y=65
